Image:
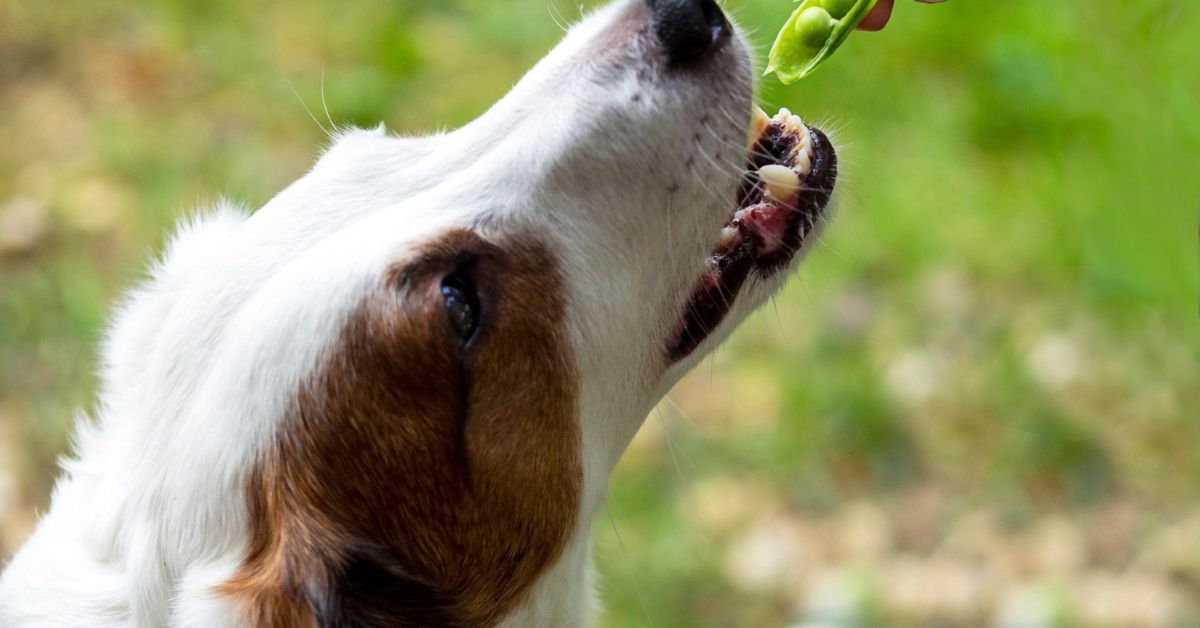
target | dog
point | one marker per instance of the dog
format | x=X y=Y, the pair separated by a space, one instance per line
x=393 y=395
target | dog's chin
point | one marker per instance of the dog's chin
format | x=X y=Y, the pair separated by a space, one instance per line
x=780 y=203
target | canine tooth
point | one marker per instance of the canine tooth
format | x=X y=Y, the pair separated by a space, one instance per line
x=805 y=140
x=781 y=182
x=804 y=163
x=760 y=116
x=758 y=123
x=795 y=123
x=783 y=114
x=728 y=235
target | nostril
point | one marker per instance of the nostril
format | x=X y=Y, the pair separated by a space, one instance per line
x=689 y=28
x=712 y=14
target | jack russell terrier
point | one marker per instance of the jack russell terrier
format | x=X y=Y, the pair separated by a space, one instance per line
x=393 y=396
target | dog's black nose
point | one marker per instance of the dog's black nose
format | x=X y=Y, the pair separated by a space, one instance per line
x=689 y=28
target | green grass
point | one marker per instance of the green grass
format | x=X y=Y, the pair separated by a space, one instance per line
x=1003 y=316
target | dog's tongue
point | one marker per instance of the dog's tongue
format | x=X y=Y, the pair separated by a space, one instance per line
x=766 y=224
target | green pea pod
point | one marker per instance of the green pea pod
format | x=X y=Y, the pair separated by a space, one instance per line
x=812 y=34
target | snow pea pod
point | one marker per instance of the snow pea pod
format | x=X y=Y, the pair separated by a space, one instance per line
x=813 y=32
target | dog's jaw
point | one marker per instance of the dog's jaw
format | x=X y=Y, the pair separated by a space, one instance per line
x=780 y=207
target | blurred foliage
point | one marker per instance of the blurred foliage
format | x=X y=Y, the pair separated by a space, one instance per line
x=978 y=402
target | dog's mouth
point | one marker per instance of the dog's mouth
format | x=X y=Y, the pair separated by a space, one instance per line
x=791 y=171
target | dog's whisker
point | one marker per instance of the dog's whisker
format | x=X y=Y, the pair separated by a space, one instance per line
x=557 y=17
x=783 y=331
x=327 y=132
x=632 y=570
x=683 y=414
x=672 y=447
x=325 y=104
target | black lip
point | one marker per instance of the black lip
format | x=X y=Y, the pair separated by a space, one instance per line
x=717 y=290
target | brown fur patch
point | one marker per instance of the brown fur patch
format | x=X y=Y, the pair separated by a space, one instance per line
x=416 y=482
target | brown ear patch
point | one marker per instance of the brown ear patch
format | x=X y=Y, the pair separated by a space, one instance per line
x=415 y=482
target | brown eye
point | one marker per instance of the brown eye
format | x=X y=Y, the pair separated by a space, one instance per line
x=462 y=305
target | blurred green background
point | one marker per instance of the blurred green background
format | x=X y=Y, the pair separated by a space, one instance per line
x=978 y=404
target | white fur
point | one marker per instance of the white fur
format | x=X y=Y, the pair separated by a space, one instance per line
x=201 y=359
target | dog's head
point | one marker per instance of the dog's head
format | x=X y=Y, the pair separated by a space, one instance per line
x=421 y=361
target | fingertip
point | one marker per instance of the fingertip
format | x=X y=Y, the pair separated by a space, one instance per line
x=878 y=17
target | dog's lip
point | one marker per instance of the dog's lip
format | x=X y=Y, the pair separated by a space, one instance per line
x=792 y=169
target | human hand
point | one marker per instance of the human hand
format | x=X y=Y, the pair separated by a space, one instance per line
x=881 y=13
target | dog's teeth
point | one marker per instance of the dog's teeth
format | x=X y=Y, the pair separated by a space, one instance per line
x=760 y=117
x=783 y=115
x=795 y=124
x=758 y=124
x=781 y=182
x=805 y=140
x=728 y=236
x=804 y=163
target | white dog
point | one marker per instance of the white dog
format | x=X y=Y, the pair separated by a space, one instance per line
x=393 y=396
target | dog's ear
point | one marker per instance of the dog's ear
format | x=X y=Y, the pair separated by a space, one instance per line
x=369 y=588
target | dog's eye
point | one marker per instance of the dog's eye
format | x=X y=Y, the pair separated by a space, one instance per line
x=462 y=305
